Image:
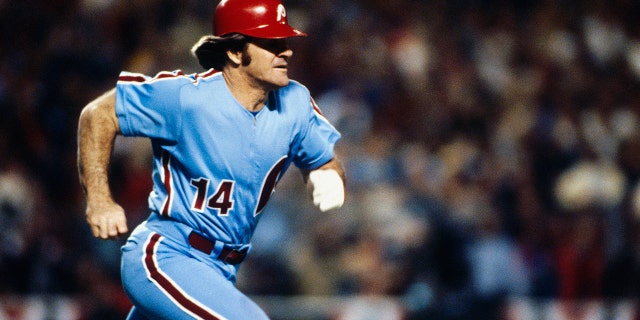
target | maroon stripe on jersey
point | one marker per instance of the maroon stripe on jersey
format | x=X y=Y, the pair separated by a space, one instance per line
x=209 y=73
x=138 y=78
x=164 y=75
x=315 y=107
x=141 y=78
x=166 y=178
x=168 y=286
x=204 y=75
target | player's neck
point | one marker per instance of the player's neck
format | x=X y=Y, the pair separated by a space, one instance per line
x=250 y=95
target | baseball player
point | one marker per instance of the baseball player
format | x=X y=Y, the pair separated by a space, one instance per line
x=221 y=141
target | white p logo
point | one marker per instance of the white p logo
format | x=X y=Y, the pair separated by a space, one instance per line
x=282 y=14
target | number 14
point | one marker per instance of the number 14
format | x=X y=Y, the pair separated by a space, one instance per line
x=221 y=199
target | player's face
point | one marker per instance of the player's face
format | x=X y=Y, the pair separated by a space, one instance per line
x=267 y=62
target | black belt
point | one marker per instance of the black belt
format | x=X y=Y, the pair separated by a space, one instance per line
x=228 y=255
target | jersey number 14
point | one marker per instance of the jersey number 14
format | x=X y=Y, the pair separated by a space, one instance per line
x=222 y=197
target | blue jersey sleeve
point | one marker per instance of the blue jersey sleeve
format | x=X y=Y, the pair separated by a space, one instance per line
x=150 y=106
x=316 y=143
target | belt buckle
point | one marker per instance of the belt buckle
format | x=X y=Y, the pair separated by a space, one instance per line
x=235 y=256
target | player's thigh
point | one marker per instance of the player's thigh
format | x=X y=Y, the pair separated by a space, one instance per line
x=166 y=284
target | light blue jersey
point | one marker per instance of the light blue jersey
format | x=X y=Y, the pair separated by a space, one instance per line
x=194 y=122
x=215 y=165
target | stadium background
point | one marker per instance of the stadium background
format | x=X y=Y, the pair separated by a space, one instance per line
x=492 y=151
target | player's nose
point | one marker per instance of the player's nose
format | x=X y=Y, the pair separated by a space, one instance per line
x=287 y=53
x=282 y=48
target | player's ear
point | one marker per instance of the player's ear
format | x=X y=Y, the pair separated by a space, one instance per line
x=235 y=56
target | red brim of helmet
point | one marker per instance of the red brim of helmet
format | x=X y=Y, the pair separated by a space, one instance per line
x=274 y=31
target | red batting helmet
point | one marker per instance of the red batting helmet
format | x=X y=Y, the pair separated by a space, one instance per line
x=254 y=18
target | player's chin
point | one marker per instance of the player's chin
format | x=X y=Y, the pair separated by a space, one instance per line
x=279 y=82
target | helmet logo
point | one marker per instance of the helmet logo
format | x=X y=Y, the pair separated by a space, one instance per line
x=282 y=14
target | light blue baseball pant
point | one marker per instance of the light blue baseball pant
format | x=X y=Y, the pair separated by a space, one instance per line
x=165 y=278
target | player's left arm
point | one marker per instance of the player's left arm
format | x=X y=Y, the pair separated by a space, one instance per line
x=327 y=185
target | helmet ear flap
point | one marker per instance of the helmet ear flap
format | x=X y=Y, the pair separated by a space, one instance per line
x=255 y=18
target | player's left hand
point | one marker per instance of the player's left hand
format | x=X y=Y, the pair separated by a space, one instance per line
x=327 y=189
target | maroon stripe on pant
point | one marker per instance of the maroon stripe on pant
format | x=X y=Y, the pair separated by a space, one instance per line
x=184 y=302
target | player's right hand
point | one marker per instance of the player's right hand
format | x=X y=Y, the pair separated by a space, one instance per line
x=107 y=220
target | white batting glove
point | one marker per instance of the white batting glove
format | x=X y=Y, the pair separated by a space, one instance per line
x=327 y=189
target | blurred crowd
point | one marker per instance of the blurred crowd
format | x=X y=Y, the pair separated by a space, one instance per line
x=492 y=150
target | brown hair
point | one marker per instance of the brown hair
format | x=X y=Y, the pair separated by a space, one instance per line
x=211 y=51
